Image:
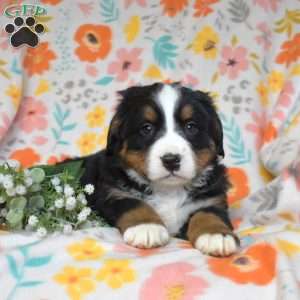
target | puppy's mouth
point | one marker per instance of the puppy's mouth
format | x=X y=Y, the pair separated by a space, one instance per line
x=172 y=178
x=172 y=174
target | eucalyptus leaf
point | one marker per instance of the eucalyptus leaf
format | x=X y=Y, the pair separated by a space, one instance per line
x=18 y=203
x=14 y=216
x=37 y=174
x=36 y=201
x=35 y=187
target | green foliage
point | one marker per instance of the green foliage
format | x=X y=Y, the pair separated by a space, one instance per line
x=44 y=198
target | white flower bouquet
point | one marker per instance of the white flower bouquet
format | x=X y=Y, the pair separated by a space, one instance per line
x=45 y=198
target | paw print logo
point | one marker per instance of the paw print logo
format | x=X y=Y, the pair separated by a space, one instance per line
x=24 y=33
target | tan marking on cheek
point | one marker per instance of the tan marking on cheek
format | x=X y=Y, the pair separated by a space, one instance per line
x=139 y=215
x=204 y=157
x=203 y=223
x=134 y=159
x=186 y=112
x=150 y=114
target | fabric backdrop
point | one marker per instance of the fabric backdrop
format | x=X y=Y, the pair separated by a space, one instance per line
x=56 y=101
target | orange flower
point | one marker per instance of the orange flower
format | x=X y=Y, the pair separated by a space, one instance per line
x=173 y=7
x=94 y=42
x=52 y=2
x=290 y=51
x=52 y=160
x=256 y=265
x=203 y=8
x=37 y=60
x=239 y=185
x=270 y=133
x=27 y=157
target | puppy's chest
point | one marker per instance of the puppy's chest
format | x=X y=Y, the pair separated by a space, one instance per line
x=173 y=206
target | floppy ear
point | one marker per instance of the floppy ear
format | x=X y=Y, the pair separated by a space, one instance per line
x=217 y=133
x=114 y=139
x=216 y=127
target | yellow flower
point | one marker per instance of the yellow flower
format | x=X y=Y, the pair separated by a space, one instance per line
x=43 y=87
x=265 y=174
x=86 y=250
x=275 y=80
x=132 y=28
x=263 y=92
x=14 y=92
x=87 y=143
x=116 y=272
x=153 y=72
x=78 y=281
x=205 y=43
x=252 y=231
x=96 y=117
x=103 y=138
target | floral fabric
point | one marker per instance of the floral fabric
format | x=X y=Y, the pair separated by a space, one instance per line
x=56 y=101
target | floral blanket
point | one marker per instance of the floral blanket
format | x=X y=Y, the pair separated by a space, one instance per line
x=57 y=99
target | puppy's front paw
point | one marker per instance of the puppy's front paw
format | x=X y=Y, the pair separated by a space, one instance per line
x=216 y=244
x=146 y=236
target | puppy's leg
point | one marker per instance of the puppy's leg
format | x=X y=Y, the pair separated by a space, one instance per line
x=139 y=223
x=210 y=231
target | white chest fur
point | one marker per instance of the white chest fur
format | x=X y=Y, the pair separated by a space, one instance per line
x=169 y=204
x=174 y=206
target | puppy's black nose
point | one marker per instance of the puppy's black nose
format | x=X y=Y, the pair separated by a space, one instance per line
x=171 y=161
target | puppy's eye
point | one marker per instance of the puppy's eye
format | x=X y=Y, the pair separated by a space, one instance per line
x=147 y=129
x=191 y=128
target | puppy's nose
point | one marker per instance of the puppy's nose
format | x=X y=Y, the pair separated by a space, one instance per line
x=171 y=161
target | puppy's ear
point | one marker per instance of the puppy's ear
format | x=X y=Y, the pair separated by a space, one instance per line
x=217 y=132
x=216 y=127
x=114 y=138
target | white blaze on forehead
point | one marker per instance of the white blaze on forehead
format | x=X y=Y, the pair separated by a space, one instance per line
x=167 y=99
x=170 y=142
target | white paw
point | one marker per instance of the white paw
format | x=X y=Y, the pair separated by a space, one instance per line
x=216 y=244
x=146 y=236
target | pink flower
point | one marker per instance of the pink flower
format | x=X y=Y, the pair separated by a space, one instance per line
x=6 y=123
x=258 y=127
x=128 y=61
x=266 y=35
x=173 y=281
x=287 y=91
x=32 y=115
x=234 y=62
x=267 y=4
x=86 y=8
x=142 y=3
x=190 y=80
x=39 y=140
x=91 y=70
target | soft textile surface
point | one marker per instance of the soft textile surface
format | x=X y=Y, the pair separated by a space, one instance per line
x=57 y=99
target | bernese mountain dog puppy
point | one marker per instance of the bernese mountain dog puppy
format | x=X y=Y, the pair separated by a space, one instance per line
x=160 y=174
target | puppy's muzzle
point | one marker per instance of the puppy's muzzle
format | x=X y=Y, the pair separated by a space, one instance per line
x=171 y=161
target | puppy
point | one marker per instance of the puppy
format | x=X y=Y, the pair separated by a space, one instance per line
x=160 y=174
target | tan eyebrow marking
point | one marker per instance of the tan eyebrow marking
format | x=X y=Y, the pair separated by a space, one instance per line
x=186 y=112
x=150 y=114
